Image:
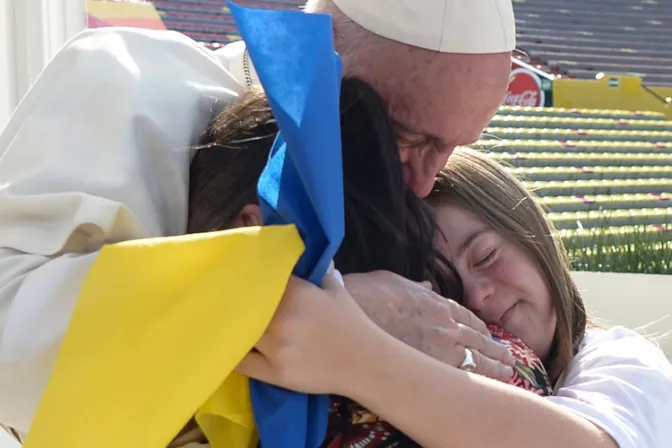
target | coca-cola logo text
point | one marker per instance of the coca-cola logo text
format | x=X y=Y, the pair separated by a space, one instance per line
x=524 y=90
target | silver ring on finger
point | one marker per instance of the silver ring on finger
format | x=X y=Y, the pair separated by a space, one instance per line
x=468 y=364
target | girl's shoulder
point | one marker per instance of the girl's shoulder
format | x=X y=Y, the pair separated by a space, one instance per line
x=622 y=382
x=619 y=345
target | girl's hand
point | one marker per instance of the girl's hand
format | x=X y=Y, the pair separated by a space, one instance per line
x=315 y=341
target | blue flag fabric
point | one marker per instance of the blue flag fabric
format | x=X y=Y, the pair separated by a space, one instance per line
x=302 y=183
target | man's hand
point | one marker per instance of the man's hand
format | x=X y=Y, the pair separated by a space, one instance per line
x=438 y=327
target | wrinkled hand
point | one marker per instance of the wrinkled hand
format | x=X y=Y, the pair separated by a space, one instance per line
x=313 y=340
x=438 y=327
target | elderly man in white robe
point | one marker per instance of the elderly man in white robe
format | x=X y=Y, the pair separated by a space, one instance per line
x=97 y=153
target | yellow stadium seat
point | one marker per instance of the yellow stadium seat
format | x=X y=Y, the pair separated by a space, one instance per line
x=556 y=159
x=608 y=218
x=580 y=134
x=600 y=186
x=572 y=146
x=563 y=112
x=553 y=122
x=547 y=173
x=560 y=204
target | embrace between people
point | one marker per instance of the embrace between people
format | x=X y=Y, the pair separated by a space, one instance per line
x=457 y=322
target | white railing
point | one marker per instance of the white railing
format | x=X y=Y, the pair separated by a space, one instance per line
x=31 y=32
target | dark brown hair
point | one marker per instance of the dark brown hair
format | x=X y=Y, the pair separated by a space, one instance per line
x=386 y=226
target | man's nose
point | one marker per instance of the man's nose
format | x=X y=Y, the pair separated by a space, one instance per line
x=421 y=165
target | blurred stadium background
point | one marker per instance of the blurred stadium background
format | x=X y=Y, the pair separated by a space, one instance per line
x=585 y=121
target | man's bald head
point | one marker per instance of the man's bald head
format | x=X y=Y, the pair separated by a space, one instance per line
x=440 y=100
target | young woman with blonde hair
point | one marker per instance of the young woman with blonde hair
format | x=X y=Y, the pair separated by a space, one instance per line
x=612 y=387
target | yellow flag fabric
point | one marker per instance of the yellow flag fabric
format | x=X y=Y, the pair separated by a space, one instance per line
x=226 y=418
x=157 y=331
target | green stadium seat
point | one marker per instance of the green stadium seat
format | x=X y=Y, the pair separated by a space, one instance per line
x=560 y=204
x=549 y=122
x=547 y=173
x=581 y=134
x=595 y=187
x=585 y=113
x=557 y=159
x=529 y=145
x=611 y=218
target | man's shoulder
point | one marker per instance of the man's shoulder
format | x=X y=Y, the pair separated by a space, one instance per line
x=126 y=32
x=127 y=44
x=168 y=47
x=156 y=63
x=93 y=39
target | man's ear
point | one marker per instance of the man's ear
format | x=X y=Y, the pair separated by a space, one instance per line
x=250 y=216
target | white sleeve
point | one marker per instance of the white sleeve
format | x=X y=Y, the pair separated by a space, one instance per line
x=97 y=152
x=622 y=383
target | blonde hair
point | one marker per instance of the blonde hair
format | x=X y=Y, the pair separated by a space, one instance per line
x=477 y=183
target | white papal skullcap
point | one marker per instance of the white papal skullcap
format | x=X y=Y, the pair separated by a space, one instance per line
x=448 y=26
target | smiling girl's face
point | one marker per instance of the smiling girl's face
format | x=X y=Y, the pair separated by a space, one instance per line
x=502 y=285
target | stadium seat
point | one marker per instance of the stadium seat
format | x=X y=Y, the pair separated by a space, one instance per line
x=570 y=146
x=578 y=134
x=556 y=159
x=560 y=204
x=209 y=21
x=583 y=38
x=611 y=218
x=594 y=187
x=547 y=122
x=579 y=113
x=548 y=173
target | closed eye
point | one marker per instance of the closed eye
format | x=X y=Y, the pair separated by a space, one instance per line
x=485 y=261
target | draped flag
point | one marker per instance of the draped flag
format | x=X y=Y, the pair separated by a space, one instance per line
x=158 y=327
x=302 y=184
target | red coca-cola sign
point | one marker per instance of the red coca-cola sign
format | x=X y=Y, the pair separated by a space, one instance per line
x=524 y=89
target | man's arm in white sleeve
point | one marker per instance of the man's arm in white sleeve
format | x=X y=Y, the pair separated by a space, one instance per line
x=97 y=152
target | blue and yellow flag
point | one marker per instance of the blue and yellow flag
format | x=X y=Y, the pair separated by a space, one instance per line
x=302 y=184
x=160 y=324
x=158 y=327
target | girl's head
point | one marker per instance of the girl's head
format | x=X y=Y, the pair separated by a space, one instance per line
x=514 y=269
x=386 y=226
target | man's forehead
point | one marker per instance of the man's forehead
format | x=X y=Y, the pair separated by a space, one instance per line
x=452 y=105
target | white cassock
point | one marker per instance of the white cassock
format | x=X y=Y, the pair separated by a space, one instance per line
x=97 y=152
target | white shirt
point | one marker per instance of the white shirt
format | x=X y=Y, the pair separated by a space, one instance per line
x=622 y=383
x=97 y=152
